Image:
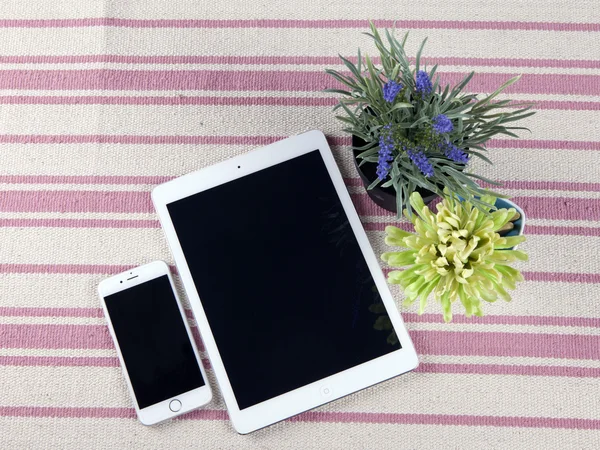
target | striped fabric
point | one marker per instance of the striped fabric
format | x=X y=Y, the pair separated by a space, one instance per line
x=102 y=100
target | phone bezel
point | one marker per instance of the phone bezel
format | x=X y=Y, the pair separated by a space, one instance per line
x=190 y=400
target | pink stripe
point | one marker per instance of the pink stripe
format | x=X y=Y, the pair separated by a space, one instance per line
x=545 y=144
x=99 y=79
x=157 y=179
x=68 y=361
x=84 y=179
x=98 y=413
x=80 y=223
x=501 y=369
x=71 y=269
x=531 y=229
x=369 y=226
x=298 y=23
x=550 y=277
x=139 y=202
x=559 y=208
x=59 y=361
x=133 y=139
x=287 y=60
x=551 y=185
x=562 y=277
x=566 y=231
x=69 y=413
x=198 y=340
x=448 y=420
x=76 y=201
x=260 y=140
x=318 y=417
x=55 y=336
x=169 y=101
x=13 y=311
x=47 y=336
x=510 y=184
x=507 y=320
x=89 y=269
x=507 y=184
x=234 y=101
x=506 y=344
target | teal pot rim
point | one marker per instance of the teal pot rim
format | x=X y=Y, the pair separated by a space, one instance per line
x=519 y=228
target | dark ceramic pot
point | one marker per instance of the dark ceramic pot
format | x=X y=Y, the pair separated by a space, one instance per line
x=383 y=197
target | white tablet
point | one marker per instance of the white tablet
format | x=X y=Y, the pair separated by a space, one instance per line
x=288 y=295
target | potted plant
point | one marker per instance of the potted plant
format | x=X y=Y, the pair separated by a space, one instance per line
x=457 y=254
x=411 y=134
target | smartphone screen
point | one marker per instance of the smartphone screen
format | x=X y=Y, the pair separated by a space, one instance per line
x=154 y=342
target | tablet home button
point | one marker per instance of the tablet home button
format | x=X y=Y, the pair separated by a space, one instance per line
x=326 y=391
x=175 y=405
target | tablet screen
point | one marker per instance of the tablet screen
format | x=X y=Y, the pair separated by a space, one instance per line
x=285 y=287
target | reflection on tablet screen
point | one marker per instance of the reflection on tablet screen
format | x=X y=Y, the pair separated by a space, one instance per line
x=282 y=280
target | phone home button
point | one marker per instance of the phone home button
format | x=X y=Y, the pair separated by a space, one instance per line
x=175 y=405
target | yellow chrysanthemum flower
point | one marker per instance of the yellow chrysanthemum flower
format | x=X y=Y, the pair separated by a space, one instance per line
x=455 y=254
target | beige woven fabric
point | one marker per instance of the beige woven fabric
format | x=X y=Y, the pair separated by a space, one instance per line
x=102 y=100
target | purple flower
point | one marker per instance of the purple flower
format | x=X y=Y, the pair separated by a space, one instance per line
x=441 y=124
x=454 y=153
x=423 y=83
x=419 y=159
x=386 y=146
x=390 y=90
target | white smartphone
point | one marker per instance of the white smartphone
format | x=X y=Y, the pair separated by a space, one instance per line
x=154 y=342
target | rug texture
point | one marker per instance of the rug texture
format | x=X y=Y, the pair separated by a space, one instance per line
x=102 y=100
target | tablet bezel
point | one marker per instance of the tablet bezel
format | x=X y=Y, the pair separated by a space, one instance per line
x=321 y=391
